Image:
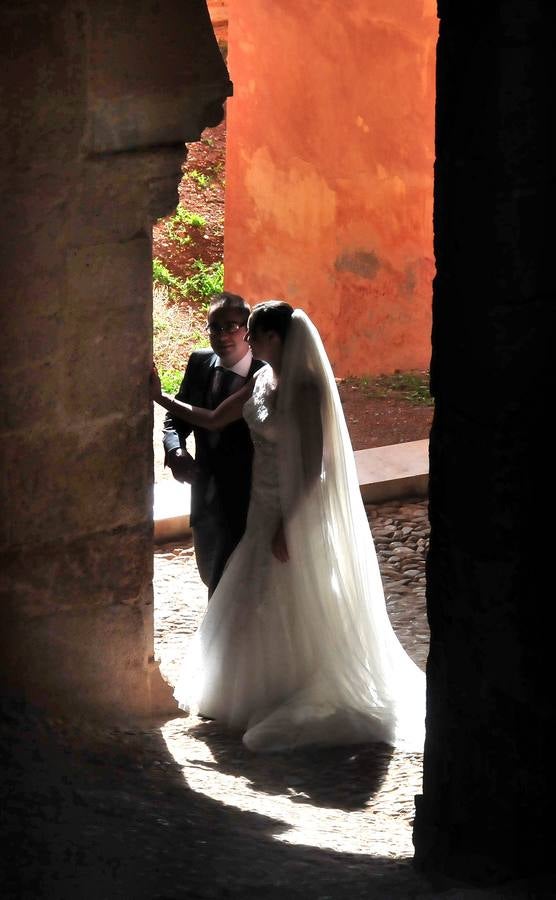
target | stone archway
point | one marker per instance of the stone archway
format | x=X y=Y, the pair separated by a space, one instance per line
x=92 y=146
x=102 y=97
x=488 y=788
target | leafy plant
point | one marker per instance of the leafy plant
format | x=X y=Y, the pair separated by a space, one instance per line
x=208 y=280
x=191 y=218
x=164 y=277
x=198 y=177
x=170 y=380
x=183 y=219
x=182 y=239
x=217 y=171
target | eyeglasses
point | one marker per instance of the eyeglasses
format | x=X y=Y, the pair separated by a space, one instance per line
x=227 y=328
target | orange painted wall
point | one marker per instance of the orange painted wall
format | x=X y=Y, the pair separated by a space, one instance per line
x=329 y=182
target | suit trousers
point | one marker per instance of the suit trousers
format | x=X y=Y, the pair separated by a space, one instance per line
x=213 y=545
x=212 y=539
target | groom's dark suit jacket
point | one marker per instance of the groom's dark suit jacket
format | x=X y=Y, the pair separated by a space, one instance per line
x=224 y=457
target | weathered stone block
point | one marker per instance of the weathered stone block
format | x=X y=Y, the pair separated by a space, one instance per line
x=121 y=348
x=44 y=66
x=94 y=662
x=29 y=398
x=96 y=477
x=108 y=276
x=150 y=108
x=112 y=281
x=95 y=570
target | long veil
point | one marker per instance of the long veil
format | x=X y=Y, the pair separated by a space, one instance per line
x=362 y=668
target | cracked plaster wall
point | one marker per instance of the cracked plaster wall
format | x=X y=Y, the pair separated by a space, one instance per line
x=330 y=166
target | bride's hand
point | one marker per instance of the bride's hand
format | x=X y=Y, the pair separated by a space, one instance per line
x=279 y=544
x=154 y=384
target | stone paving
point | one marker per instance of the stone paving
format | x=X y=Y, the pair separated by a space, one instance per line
x=182 y=809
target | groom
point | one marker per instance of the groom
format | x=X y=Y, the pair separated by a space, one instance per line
x=220 y=473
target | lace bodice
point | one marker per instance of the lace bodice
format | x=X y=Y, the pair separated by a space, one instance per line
x=261 y=416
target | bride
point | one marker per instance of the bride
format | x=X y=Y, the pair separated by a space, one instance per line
x=296 y=646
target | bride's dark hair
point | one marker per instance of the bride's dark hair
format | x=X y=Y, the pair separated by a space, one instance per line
x=271 y=315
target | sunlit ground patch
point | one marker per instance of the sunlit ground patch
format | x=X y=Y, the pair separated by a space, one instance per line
x=321 y=798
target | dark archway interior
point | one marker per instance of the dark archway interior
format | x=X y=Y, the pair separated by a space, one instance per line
x=487 y=787
x=100 y=98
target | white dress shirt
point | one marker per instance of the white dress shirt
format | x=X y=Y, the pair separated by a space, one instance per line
x=241 y=367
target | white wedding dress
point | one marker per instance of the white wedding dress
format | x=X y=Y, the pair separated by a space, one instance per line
x=303 y=652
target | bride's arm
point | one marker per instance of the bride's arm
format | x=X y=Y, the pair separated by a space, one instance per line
x=230 y=410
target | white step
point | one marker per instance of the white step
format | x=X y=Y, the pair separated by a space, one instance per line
x=385 y=473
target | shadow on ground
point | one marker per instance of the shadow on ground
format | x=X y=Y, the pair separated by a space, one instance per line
x=336 y=777
x=97 y=813
x=94 y=812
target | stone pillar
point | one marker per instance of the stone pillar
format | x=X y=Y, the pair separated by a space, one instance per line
x=329 y=171
x=488 y=792
x=101 y=97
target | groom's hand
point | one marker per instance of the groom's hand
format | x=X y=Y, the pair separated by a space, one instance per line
x=183 y=466
x=279 y=544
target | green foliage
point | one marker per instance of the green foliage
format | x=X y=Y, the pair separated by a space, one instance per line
x=163 y=276
x=411 y=386
x=183 y=219
x=199 y=178
x=170 y=380
x=217 y=171
x=191 y=218
x=208 y=279
x=204 y=179
x=182 y=239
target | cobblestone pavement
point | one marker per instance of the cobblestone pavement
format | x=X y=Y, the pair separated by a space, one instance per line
x=184 y=810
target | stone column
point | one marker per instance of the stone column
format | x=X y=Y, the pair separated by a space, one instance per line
x=488 y=770
x=101 y=98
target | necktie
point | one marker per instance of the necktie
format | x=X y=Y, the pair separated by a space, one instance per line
x=224 y=383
